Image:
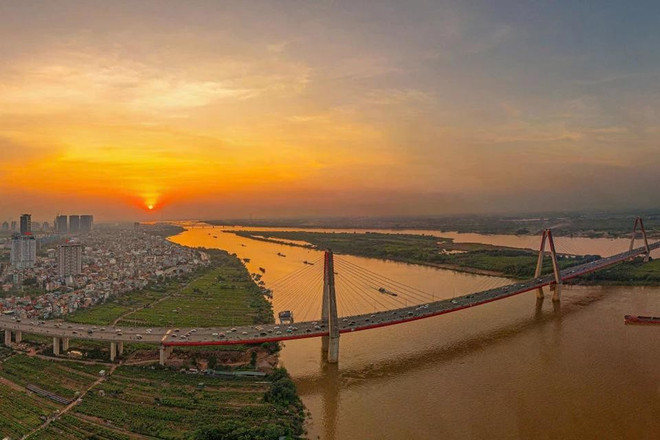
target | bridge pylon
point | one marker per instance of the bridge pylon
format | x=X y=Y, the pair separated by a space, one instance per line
x=547 y=235
x=330 y=342
x=638 y=220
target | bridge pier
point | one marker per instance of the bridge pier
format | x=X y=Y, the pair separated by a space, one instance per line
x=8 y=337
x=556 y=287
x=113 y=351
x=65 y=344
x=120 y=348
x=18 y=336
x=163 y=353
x=330 y=342
x=56 y=345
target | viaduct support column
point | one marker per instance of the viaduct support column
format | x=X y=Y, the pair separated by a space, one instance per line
x=330 y=343
x=7 y=337
x=18 y=336
x=162 y=352
x=120 y=348
x=56 y=346
x=113 y=351
x=65 y=344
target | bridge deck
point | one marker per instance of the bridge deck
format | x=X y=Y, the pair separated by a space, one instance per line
x=311 y=329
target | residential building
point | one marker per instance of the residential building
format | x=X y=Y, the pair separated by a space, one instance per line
x=61 y=224
x=23 y=251
x=74 y=224
x=26 y=224
x=86 y=223
x=69 y=261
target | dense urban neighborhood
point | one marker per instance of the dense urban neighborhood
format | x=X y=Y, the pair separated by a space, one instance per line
x=71 y=272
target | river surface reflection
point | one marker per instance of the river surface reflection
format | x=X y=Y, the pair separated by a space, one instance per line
x=513 y=369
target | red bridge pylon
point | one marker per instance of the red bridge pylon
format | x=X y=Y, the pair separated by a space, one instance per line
x=646 y=242
x=547 y=234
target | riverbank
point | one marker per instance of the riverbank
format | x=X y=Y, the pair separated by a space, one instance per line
x=439 y=252
x=444 y=253
x=587 y=225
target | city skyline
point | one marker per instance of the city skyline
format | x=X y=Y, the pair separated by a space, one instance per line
x=163 y=110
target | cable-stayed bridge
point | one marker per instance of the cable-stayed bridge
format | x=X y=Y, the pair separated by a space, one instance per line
x=392 y=302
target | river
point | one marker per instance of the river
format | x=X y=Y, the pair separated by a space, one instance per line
x=513 y=369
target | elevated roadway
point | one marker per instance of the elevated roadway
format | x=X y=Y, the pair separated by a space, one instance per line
x=169 y=337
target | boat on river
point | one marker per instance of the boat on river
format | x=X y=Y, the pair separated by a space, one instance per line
x=637 y=319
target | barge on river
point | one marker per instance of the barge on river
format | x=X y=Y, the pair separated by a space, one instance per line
x=636 y=319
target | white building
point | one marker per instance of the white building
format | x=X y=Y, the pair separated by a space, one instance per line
x=23 y=251
x=69 y=261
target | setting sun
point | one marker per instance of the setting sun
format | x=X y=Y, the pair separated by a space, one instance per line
x=150 y=207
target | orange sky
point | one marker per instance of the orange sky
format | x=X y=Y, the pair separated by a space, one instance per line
x=273 y=109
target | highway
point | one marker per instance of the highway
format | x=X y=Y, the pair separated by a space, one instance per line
x=256 y=334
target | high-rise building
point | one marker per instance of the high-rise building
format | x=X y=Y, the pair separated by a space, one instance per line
x=61 y=224
x=5 y=226
x=74 y=224
x=45 y=226
x=69 y=261
x=26 y=224
x=13 y=226
x=23 y=251
x=86 y=223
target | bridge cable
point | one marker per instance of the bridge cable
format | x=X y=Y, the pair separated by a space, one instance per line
x=292 y=276
x=310 y=306
x=291 y=285
x=302 y=299
x=380 y=276
x=371 y=290
x=360 y=290
x=384 y=280
x=293 y=296
x=355 y=270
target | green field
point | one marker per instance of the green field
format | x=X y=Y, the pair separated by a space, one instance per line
x=62 y=378
x=105 y=314
x=4 y=351
x=22 y=411
x=75 y=427
x=170 y=405
x=155 y=402
x=221 y=295
x=627 y=273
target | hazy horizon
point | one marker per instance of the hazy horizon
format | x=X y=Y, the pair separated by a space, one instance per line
x=326 y=109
